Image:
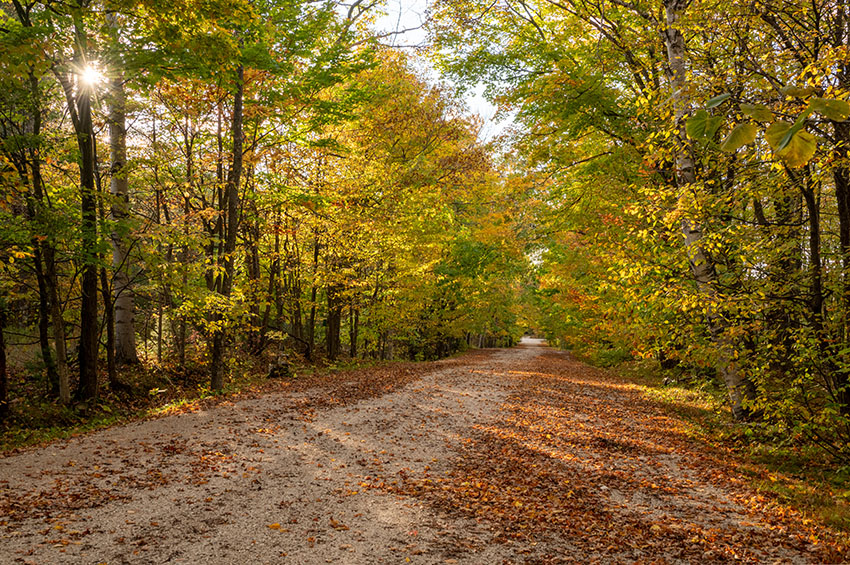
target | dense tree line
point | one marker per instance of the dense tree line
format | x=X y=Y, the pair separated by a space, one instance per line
x=185 y=182
x=694 y=159
x=182 y=183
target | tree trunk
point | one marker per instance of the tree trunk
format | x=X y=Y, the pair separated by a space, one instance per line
x=4 y=377
x=334 y=322
x=44 y=317
x=110 y=331
x=253 y=295
x=79 y=105
x=353 y=331
x=291 y=282
x=181 y=330
x=184 y=280
x=35 y=206
x=57 y=323
x=296 y=317
x=48 y=254
x=311 y=328
x=702 y=267
x=123 y=299
x=106 y=296
x=230 y=210
x=815 y=262
x=841 y=176
x=384 y=348
x=273 y=291
x=31 y=157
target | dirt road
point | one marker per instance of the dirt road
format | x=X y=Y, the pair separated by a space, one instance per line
x=500 y=456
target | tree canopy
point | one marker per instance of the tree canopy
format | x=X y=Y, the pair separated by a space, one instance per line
x=187 y=184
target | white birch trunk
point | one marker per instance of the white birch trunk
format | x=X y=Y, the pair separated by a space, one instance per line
x=701 y=265
x=124 y=308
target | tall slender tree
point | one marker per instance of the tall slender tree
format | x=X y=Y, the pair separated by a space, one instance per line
x=76 y=76
x=122 y=288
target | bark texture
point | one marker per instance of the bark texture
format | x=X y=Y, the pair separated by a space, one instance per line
x=4 y=377
x=230 y=211
x=334 y=321
x=702 y=267
x=123 y=300
x=78 y=98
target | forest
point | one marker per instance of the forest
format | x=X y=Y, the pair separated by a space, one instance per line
x=192 y=189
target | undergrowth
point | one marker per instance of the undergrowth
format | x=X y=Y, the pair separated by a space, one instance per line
x=147 y=390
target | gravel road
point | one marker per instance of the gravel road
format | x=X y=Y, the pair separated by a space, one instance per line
x=503 y=456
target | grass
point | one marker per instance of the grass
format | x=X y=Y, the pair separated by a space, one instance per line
x=818 y=494
x=19 y=435
x=152 y=391
x=37 y=421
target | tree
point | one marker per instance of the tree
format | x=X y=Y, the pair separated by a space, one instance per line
x=74 y=76
x=123 y=303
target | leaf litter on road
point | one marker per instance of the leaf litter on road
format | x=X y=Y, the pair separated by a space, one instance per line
x=513 y=456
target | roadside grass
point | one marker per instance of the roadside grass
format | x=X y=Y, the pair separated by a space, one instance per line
x=149 y=390
x=146 y=391
x=793 y=473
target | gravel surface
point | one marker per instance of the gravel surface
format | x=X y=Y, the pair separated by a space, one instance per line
x=275 y=480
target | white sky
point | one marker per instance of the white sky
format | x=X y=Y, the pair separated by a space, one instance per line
x=410 y=15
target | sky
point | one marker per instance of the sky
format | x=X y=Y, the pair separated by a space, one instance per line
x=408 y=17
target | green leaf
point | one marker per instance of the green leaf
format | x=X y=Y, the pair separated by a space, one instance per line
x=702 y=125
x=718 y=100
x=800 y=148
x=836 y=110
x=796 y=91
x=775 y=132
x=742 y=134
x=798 y=126
x=758 y=112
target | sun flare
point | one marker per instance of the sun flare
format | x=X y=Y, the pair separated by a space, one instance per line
x=91 y=75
